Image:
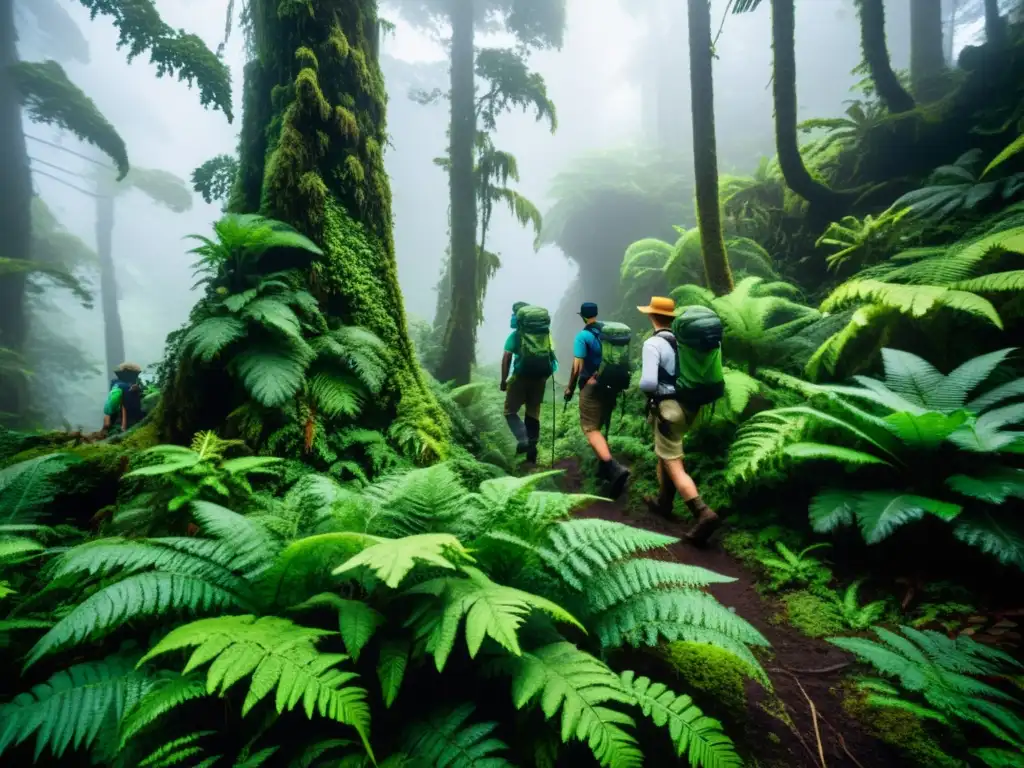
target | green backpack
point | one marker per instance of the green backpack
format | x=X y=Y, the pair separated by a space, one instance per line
x=615 y=370
x=534 y=355
x=697 y=334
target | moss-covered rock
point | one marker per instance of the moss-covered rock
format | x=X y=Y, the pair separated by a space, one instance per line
x=714 y=678
x=810 y=613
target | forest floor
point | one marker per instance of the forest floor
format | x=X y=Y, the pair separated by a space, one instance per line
x=781 y=728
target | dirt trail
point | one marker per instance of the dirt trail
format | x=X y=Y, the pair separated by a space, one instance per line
x=797 y=662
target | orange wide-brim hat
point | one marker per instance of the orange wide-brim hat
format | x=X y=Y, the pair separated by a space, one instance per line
x=660 y=305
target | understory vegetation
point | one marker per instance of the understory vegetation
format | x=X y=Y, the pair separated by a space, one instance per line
x=312 y=551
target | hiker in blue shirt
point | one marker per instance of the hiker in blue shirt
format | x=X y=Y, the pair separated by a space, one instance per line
x=526 y=365
x=595 y=405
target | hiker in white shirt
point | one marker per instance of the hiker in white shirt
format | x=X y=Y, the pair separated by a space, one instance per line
x=670 y=421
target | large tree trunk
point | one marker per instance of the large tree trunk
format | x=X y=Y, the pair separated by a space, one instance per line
x=705 y=152
x=995 y=25
x=314 y=132
x=927 y=60
x=876 y=54
x=15 y=218
x=784 y=90
x=113 y=334
x=460 y=336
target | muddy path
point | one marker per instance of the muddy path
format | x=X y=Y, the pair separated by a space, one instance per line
x=780 y=725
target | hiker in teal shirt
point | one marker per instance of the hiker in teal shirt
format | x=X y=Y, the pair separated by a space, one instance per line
x=526 y=388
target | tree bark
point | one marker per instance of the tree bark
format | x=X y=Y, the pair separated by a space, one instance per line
x=876 y=54
x=705 y=152
x=927 y=59
x=787 y=145
x=314 y=133
x=460 y=335
x=113 y=333
x=15 y=218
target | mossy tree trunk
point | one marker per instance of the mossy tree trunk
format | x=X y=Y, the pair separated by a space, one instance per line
x=876 y=54
x=311 y=149
x=995 y=25
x=460 y=334
x=927 y=60
x=15 y=217
x=705 y=151
x=113 y=332
x=794 y=171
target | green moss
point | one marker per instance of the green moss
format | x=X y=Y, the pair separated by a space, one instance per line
x=714 y=678
x=899 y=729
x=813 y=615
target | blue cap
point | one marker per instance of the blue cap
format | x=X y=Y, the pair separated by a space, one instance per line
x=588 y=310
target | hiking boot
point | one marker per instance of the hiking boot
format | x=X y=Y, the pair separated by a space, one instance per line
x=616 y=476
x=662 y=504
x=707 y=522
x=532 y=437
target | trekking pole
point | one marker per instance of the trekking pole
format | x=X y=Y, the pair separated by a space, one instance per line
x=554 y=421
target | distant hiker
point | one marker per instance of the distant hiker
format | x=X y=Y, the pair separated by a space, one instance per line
x=597 y=394
x=682 y=373
x=125 y=399
x=528 y=363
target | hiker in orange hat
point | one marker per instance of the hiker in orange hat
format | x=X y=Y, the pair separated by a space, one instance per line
x=671 y=412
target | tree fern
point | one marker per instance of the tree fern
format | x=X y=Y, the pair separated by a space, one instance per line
x=76 y=708
x=281 y=657
x=581 y=687
x=448 y=739
x=699 y=737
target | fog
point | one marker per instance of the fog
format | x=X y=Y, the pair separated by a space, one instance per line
x=603 y=83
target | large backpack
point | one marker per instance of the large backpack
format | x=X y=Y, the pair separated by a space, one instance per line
x=697 y=337
x=131 y=399
x=615 y=370
x=534 y=355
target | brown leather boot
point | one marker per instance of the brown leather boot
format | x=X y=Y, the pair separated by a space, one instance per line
x=661 y=504
x=707 y=521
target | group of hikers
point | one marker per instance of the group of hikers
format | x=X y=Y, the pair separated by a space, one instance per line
x=681 y=375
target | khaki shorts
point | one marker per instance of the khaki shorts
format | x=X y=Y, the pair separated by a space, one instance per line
x=528 y=392
x=593 y=408
x=670 y=425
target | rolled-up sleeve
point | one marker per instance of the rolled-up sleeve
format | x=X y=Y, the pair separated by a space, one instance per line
x=649 y=369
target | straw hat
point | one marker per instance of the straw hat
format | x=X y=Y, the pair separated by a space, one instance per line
x=660 y=305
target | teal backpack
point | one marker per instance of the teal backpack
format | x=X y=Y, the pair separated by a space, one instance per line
x=616 y=370
x=697 y=337
x=534 y=355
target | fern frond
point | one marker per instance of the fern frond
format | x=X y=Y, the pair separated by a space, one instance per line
x=26 y=488
x=579 y=549
x=161 y=698
x=357 y=621
x=567 y=679
x=697 y=736
x=447 y=739
x=392 y=559
x=175 y=751
x=74 y=708
x=280 y=656
x=626 y=579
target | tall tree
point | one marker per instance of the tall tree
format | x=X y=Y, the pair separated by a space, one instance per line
x=927 y=59
x=311 y=155
x=876 y=54
x=784 y=93
x=536 y=24
x=51 y=98
x=705 y=151
x=162 y=188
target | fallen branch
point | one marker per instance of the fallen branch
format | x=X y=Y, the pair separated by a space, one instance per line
x=820 y=671
x=814 y=721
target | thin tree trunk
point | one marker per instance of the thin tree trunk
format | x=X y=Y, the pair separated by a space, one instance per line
x=927 y=60
x=15 y=218
x=876 y=54
x=705 y=152
x=113 y=333
x=950 y=39
x=460 y=336
x=784 y=90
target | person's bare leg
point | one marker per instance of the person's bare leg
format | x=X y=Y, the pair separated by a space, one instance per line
x=599 y=445
x=707 y=518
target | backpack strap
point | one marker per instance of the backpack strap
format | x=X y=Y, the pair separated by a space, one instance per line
x=664 y=377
